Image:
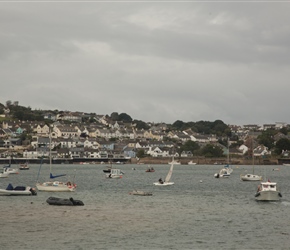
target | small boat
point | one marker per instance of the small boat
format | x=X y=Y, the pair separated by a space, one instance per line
x=114 y=174
x=4 y=173
x=64 y=202
x=267 y=191
x=223 y=173
x=150 y=169
x=18 y=190
x=191 y=163
x=226 y=171
x=11 y=170
x=54 y=186
x=166 y=182
x=24 y=166
x=251 y=177
x=141 y=193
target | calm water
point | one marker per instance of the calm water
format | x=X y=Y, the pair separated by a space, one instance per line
x=212 y=214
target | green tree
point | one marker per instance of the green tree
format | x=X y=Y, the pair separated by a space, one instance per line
x=125 y=118
x=282 y=144
x=190 y=146
x=267 y=138
x=140 y=153
x=212 y=151
x=141 y=124
x=115 y=116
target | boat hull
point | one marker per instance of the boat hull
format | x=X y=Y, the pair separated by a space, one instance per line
x=268 y=195
x=27 y=191
x=64 y=202
x=111 y=176
x=163 y=184
x=251 y=177
x=141 y=193
x=54 y=187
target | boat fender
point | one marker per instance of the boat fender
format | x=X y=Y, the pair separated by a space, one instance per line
x=280 y=194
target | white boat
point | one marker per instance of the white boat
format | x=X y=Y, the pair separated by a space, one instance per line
x=223 y=173
x=286 y=164
x=114 y=174
x=166 y=182
x=267 y=191
x=191 y=163
x=24 y=166
x=18 y=190
x=12 y=170
x=253 y=176
x=54 y=186
x=4 y=173
x=226 y=170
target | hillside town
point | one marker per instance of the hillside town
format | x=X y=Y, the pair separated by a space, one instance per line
x=105 y=140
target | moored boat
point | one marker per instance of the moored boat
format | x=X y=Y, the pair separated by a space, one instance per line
x=64 y=202
x=150 y=169
x=114 y=174
x=4 y=173
x=141 y=193
x=54 y=186
x=18 y=190
x=223 y=173
x=24 y=166
x=251 y=177
x=11 y=170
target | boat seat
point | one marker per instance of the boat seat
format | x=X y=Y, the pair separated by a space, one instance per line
x=20 y=188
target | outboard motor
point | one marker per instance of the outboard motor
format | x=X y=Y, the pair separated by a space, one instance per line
x=216 y=175
x=33 y=191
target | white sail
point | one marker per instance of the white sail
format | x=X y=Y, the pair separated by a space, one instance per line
x=168 y=177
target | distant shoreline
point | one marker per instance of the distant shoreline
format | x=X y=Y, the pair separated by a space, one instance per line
x=149 y=160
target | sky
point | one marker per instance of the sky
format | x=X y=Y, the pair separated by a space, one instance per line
x=157 y=61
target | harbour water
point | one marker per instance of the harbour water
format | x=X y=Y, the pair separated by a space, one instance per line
x=198 y=212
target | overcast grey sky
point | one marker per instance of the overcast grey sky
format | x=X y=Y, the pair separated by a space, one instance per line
x=155 y=61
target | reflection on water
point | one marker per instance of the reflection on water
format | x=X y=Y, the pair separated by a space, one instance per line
x=212 y=214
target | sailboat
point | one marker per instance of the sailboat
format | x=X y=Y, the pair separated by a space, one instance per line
x=166 y=182
x=8 y=169
x=226 y=170
x=251 y=177
x=51 y=185
x=4 y=173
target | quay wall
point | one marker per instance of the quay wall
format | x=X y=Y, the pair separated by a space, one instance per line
x=150 y=160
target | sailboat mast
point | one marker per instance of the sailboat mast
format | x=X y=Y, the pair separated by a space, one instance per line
x=50 y=148
x=253 y=157
x=228 y=152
